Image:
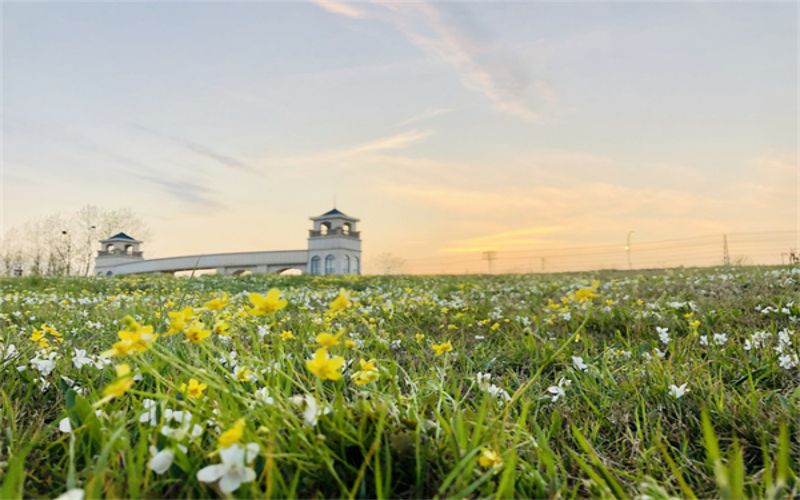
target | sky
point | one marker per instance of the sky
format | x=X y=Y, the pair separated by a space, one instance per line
x=448 y=128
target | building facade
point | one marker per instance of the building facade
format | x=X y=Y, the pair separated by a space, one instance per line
x=334 y=248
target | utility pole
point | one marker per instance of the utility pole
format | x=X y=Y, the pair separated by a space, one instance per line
x=489 y=257
x=628 y=249
x=89 y=238
x=726 y=258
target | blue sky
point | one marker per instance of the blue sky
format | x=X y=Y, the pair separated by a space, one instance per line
x=447 y=127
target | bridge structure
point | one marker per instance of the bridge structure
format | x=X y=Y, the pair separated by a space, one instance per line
x=334 y=248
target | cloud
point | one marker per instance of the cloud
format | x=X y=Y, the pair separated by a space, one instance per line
x=200 y=149
x=341 y=8
x=498 y=78
x=184 y=191
x=425 y=115
x=390 y=143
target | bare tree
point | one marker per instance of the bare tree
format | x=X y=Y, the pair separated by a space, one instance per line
x=389 y=263
x=60 y=246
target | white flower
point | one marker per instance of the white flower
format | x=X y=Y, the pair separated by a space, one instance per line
x=79 y=359
x=64 y=425
x=660 y=353
x=44 y=365
x=8 y=352
x=578 y=363
x=234 y=470
x=663 y=334
x=149 y=416
x=788 y=361
x=185 y=428
x=703 y=339
x=720 y=338
x=677 y=391
x=263 y=396
x=311 y=412
x=73 y=494
x=557 y=391
x=161 y=461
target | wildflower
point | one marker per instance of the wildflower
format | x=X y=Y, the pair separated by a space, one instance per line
x=677 y=391
x=419 y=337
x=79 y=359
x=263 y=396
x=149 y=416
x=324 y=366
x=73 y=494
x=704 y=340
x=788 y=361
x=243 y=374
x=286 y=335
x=221 y=327
x=161 y=461
x=232 y=435
x=196 y=332
x=327 y=340
x=40 y=338
x=557 y=391
x=663 y=334
x=342 y=301
x=311 y=410
x=234 y=468
x=720 y=338
x=64 y=425
x=579 y=364
x=266 y=304
x=217 y=303
x=178 y=319
x=585 y=294
x=184 y=427
x=489 y=459
x=350 y=343
x=368 y=373
x=194 y=389
x=134 y=338
x=119 y=386
x=442 y=348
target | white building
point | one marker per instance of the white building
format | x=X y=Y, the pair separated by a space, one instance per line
x=334 y=248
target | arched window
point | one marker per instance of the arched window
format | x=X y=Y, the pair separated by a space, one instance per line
x=324 y=228
x=110 y=247
x=346 y=264
x=346 y=228
x=315 y=264
x=330 y=262
x=129 y=249
x=355 y=265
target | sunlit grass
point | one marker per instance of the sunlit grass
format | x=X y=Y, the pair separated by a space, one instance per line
x=505 y=386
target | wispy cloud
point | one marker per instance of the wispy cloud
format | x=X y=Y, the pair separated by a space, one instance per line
x=425 y=115
x=341 y=8
x=200 y=149
x=497 y=76
x=390 y=143
x=185 y=191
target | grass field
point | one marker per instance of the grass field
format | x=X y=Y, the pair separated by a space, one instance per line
x=675 y=383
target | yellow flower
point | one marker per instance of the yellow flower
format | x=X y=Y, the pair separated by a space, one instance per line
x=327 y=340
x=194 y=389
x=266 y=304
x=586 y=294
x=286 y=335
x=442 y=348
x=218 y=303
x=325 y=367
x=178 y=319
x=419 y=337
x=119 y=386
x=134 y=338
x=196 y=332
x=368 y=373
x=232 y=435
x=243 y=374
x=489 y=459
x=342 y=301
x=350 y=343
x=39 y=337
x=221 y=327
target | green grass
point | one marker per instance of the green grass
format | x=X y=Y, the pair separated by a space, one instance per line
x=422 y=427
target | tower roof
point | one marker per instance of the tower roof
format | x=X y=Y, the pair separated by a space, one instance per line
x=121 y=236
x=334 y=213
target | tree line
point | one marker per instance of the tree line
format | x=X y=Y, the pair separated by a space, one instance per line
x=64 y=245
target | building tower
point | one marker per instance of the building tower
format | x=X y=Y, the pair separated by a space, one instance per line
x=334 y=244
x=118 y=249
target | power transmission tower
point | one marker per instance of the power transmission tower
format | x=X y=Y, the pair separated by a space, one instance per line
x=490 y=256
x=726 y=258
